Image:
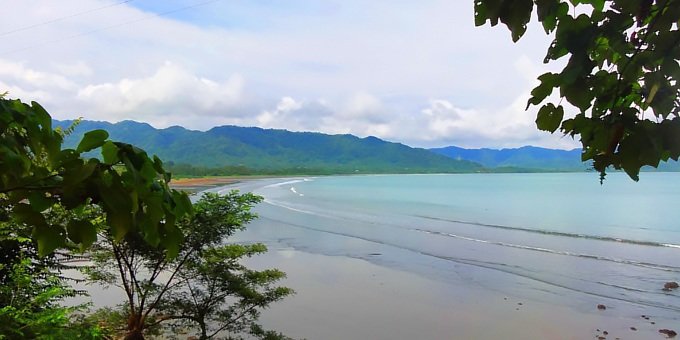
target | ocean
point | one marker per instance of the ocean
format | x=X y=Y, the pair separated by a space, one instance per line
x=558 y=241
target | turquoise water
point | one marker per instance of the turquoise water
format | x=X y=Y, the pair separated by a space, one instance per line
x=557 y=238
x=571 y=203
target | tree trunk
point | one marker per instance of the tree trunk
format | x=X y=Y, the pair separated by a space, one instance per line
x=204 y=331
x=135 y=334
x=134 y=329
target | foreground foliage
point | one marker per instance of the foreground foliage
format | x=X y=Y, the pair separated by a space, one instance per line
x=57 y=205
x=37 y=174
x=32 y=289
x=622 y=75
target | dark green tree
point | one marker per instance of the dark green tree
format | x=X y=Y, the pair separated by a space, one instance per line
x=32 y=288
x=622 y=77
x=204 y=287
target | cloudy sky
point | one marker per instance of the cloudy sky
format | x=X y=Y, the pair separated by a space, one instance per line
x=416 y=72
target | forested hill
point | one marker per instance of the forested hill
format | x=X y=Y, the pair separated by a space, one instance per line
x=268 y=149
x=531 y=158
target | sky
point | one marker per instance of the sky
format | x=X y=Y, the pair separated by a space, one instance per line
x=415 y=72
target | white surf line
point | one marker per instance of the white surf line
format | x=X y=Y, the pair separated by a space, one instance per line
x=284 y=183
x=281 y=205
x=295 y=192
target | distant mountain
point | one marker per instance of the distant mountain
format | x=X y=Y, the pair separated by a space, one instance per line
x=529 y=158
x=526 y=157
x=258 y=148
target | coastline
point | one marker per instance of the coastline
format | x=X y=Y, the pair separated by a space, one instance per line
x=354 y=287
x=356 y=279
x=194 y=185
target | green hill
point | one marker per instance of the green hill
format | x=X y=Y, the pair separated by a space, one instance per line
x=270 y=150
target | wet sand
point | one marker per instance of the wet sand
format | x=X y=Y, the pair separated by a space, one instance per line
x=201 y=183
x=345 y=298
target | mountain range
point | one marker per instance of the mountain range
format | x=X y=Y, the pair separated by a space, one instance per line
x=282 y=151
x=270 y=149
x=526 y=157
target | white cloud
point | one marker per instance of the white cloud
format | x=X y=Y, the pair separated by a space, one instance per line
x=23 y=76
x=171 y=90
x=76 y=69
x=416 y=72
x=364 y=107
x=285 y=106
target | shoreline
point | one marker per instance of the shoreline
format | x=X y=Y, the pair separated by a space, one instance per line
x=356 y=279
x=195 y=185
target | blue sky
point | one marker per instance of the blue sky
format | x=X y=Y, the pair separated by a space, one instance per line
x=416 y=72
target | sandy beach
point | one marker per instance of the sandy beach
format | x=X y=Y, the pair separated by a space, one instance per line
x=346 y=298
x=202 y=183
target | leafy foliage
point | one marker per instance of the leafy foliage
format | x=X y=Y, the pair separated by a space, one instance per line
x=204 y=287
x=622 y=75
x=31 y=290
x=221 y=296
x=37 y=174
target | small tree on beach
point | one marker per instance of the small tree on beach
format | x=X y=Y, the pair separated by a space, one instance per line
x=204 y=287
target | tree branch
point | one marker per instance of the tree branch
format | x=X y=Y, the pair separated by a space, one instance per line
x=165 y=288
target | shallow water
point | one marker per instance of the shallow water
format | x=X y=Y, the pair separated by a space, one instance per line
x=555 y=239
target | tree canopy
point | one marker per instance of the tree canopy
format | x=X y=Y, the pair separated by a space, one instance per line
x=621 y=77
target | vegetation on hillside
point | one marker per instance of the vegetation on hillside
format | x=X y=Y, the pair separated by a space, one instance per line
x=236 y=150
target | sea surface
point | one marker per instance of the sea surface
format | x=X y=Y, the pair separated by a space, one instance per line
x=559 y=239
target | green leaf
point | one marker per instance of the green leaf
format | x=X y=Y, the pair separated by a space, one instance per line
x=42 y=116
x=516 y=15
x=26 y=214
x=183 y=203
x=81 y=232
x=39 y=202
x=549 y=117
x=480 y=13
x=92 y=140
x=158 y=164
x=542 y=91
x=598 y=4
x=110 y=152
x=577 y=94
x=172 y=239
x=77 y=172
x=48 y=238
x=120 y=223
